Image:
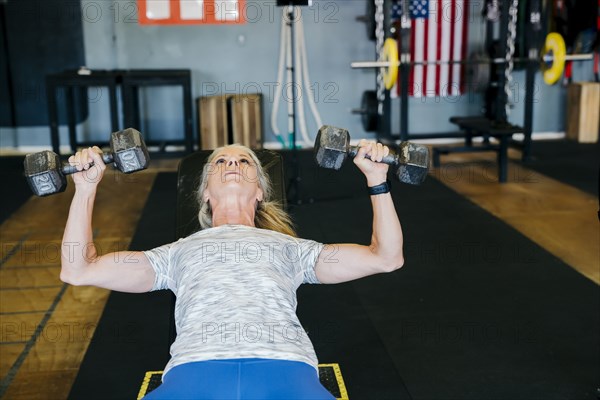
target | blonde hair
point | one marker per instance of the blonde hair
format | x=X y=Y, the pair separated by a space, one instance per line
x=269 y=213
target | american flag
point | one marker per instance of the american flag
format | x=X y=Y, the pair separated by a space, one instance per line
x=438 y=33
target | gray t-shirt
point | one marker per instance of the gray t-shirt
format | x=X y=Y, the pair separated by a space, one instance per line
x=236 y=293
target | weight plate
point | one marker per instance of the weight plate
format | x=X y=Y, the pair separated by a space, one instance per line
x=368 y=105
x=555 y=47
x=478 y=72
x=390 y=54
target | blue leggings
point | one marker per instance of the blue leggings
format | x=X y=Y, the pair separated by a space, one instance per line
x=250 y=378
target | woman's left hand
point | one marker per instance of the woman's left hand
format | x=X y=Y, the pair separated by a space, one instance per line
x=374 y=170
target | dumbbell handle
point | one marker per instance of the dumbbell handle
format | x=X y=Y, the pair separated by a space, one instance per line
x=68 y=169
x=391 y=159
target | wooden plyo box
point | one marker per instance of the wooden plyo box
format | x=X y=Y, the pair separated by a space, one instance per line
x=231 y=118
x=214 y=124
x=246 y=119
x=583 y=115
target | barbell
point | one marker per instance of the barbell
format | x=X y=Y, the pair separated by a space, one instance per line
x=554 y=56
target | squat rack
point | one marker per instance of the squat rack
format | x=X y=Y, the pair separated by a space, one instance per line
x=495 y=99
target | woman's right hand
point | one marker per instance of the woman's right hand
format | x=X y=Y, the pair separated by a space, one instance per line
x=90 y=175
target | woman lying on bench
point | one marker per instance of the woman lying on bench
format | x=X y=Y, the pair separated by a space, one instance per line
x=238 y=335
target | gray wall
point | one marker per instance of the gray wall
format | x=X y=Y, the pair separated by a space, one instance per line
x=243 y=58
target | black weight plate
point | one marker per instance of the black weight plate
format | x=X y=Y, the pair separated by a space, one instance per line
x=368 y=104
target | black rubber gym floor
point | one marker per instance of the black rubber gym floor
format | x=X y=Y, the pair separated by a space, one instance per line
x=577 y=164
x=478 y=312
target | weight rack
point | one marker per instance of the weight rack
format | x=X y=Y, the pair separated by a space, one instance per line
x=495 y=99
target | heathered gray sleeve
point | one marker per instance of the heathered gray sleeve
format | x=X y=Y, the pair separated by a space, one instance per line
x=160 y=260
x=308 y=255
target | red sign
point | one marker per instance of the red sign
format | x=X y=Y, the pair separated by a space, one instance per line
x=191 y=12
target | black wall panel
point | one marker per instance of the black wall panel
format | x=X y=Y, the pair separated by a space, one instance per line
x=42 y=36
x=6 y=114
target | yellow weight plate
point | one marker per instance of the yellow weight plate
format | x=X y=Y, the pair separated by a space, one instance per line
x=390 y=55
x=555 y=47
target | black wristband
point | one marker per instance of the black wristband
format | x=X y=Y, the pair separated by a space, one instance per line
x=380 y=189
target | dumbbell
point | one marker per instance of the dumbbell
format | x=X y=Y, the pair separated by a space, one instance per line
x=332 y=148
x=46 y=174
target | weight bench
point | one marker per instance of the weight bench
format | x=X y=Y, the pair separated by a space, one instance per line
x=330 y=376
x=486 y=128
x=188 y=180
